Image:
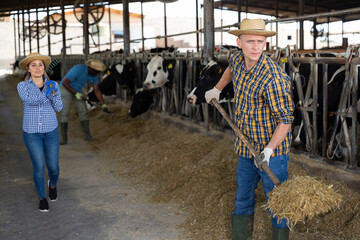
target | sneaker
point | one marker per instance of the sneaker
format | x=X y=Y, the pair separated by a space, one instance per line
x=52 y=193
x=43 y=206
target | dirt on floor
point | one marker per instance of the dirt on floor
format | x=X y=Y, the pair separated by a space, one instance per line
x=197 y=173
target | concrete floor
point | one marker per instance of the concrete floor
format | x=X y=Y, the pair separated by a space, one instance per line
x=92 y=203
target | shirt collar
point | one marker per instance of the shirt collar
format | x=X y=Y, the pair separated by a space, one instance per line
x=255 y=69
x=31 y=80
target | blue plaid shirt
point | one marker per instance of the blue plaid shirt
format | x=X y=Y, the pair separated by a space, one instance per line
x=262 y=101
x=39 y=111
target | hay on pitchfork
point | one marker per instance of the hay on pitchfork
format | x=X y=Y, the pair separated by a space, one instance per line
x=301 y=198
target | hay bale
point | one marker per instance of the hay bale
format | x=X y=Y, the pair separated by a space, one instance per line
x=301 y=198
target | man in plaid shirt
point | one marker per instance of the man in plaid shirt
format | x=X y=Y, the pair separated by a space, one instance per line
x=264 y=113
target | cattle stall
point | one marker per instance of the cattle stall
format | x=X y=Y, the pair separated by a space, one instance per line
x=327 y=132
x=328 y=102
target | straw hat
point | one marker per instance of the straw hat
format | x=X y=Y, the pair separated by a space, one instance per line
x=34 y=56
x=252 y=27
x=96 y=65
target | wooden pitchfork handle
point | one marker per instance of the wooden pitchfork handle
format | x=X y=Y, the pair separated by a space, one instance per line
x=245 y=140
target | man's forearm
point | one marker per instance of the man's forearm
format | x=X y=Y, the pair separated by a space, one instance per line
x=279 y=135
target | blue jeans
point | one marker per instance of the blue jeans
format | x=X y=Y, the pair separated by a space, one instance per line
x=43 y=147
x=247 y=179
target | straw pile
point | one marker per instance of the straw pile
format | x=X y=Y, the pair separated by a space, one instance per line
x=301 y=198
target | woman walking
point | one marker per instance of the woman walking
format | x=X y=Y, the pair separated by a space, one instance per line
x=42 y=99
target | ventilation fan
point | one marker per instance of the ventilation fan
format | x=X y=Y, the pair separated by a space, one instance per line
x=55 y=23
x=96 y=11
x=319 y=31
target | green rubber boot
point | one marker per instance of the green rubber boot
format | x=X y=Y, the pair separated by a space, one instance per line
x=63 y=133
x=86 y=130
x=242 y=226
x=280 y=233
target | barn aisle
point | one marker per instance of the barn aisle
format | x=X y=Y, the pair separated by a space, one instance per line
x=92 y=203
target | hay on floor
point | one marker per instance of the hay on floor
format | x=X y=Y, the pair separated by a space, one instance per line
x=302 y=198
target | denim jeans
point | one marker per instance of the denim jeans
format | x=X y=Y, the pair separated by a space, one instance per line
x=247 y=179
x=43 y=148
x=67 y=98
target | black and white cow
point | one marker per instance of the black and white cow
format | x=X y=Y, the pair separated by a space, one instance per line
x=160 y=74
x=122 y=74
x=209 y=77
x=141 y=102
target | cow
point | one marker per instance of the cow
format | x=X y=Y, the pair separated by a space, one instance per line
x=160 y=74
x=122 y=74
x=209 y=77
x=141 y=102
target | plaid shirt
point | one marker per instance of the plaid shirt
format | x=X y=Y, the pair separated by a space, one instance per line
x=39 y=111
x=262 y=101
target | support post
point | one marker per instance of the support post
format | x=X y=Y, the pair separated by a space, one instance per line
x=86 y=28
x=197 y=27
x=29 y=23
x=48 y=27
x=165 y=27
x=37 y=27
x=15 y=36
x=110 y=34
x=301 y=28
x=126 y=27
x=18 y=26
x=142 y=28
x=208 y=28
x=24 y=29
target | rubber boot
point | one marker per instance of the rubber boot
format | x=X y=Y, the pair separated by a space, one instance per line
x=280 y=233
x=86 y=130
x=63 y=133
x=242 y=226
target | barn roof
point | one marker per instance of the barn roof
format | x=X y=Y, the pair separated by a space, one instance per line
x=15 y=5
x=286 y=8
x=290 y=8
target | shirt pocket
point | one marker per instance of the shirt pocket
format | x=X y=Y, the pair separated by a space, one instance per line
x=253 y=95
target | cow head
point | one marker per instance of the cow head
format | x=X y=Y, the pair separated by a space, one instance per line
x=141 y=102
x=158 y=73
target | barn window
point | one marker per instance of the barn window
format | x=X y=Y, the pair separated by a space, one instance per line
x=118 y=35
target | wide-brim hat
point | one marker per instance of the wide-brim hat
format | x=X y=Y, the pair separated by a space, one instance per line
x=252 y=27
x=96 y=65
x=34 y=56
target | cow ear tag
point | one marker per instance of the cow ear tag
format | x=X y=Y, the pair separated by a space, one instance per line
x=284 y=60
x=170 y=66
x=220 y=70
x=108 y=72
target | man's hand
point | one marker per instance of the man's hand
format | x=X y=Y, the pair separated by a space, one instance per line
x=78 y=96
x=213 y=93
x=105 y=108
x=264 y=157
